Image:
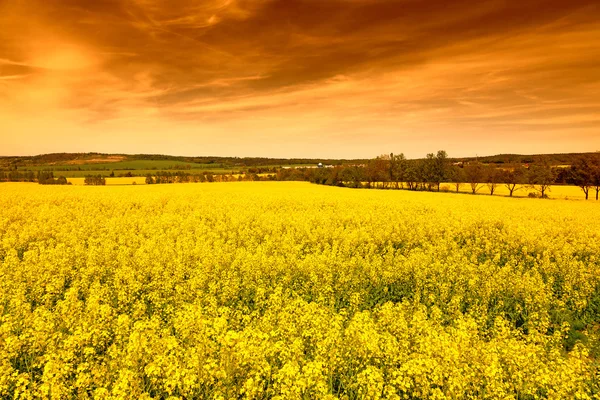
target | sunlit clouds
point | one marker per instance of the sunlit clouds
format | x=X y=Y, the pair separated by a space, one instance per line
x=290 y=78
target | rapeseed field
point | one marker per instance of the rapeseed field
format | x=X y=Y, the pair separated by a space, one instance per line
x=562 y=192
x=295 y=291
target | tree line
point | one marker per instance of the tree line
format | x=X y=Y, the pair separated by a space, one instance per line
x=47 y=178
x=17 y=176
x=42 y=177
x=394 y=171
x=163 y=177
x=436 y=172
x=94 y=180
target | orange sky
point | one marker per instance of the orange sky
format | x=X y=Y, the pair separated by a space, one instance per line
x=299 y=78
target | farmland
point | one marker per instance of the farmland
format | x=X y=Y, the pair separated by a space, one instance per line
x=123 y=165
x=139 y=169
x=112 y=181
x=556 y=192
x=78 y=165
x=291 y=290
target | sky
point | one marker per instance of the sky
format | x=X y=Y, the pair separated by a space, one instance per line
x=299 y=78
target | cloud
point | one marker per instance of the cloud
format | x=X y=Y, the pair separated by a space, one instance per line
x=387 y=73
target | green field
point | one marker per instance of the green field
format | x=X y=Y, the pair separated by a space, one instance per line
x=124 y=165
x=138 y=172
x=141 y=168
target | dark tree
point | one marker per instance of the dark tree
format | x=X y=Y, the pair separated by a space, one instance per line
x=582 y=175
x=492 y=178
x=398 y=169
x=428 y=172
x=457 y=175
x=440 y=168
x=45 y=177
x=596 y=176
x=475 y=175
x=377 y=170
x=334 y=177
x=352 y=176
x=94 y=180
x=542 y=177
x=514 y=177
x=412 y=175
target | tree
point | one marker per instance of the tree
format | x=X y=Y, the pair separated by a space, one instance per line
x=440 y=168
x=514 y=177
x=149 y=179
x=94 y=180
x=378 y=171
x=335 y=178
x=492 y=178
x=352 y=176
x=475 y=175
x=427 y=171
x=457 y=175
x=45 y=177
x=582 y=175
x=542 y=176
x=398 y=170
x=596 y=176
x=412 y=175
x=392 y=167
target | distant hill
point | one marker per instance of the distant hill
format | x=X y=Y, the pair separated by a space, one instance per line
x=554 y=159
x=142 y=162
x=102 y=162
